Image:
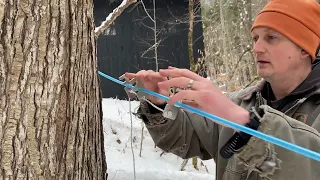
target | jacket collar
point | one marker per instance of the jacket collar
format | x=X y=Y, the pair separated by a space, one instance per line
x=309 y=87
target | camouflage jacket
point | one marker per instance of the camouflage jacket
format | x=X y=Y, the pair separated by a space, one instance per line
x=294 y=119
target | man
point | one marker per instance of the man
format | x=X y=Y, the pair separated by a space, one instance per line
x=286 y=35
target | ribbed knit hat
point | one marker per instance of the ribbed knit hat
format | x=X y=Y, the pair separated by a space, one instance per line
x=298 y=20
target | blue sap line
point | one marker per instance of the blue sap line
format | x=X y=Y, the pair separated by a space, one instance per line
x=292 y=147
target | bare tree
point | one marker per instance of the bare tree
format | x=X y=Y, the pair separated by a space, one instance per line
x=156 y=32
x=228 y=42
x=190 y=34
x=50 y=109
x=194 y=66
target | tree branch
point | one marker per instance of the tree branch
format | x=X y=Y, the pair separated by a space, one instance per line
x=113 y=16
x=237 y=65
x=144 y=7
x=252 y=81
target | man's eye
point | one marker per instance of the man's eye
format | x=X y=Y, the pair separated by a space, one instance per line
x=255 y=38
x=271 y=38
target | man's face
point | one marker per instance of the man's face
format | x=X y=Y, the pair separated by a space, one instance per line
x=276 y=56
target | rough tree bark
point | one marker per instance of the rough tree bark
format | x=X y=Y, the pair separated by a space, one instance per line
x=50 y=108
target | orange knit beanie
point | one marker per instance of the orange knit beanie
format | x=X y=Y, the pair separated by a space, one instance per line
x=298 y=20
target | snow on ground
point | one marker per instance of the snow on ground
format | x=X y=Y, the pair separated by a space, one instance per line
x=150 y=166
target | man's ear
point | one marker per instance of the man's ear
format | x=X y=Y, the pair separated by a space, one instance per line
x=304 y=54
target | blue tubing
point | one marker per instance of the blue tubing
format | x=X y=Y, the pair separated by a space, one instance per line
x=292 y=147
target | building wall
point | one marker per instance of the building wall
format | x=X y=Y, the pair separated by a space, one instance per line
x=120 y=48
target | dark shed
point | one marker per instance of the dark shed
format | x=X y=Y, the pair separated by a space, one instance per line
x=122 y=47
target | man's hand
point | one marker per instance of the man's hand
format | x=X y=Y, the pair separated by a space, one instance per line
x=202 y=94
x=150 y=79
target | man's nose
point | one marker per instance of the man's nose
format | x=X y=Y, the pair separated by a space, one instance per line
x=259 y=47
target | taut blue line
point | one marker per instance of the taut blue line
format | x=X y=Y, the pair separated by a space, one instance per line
x=292 y=147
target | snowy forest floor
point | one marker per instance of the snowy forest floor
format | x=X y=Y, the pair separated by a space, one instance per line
x=150 y=166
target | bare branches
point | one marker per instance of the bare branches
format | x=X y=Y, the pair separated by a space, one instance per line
x=254 y=79
x=228 y=41
x=144 y=7
x=112 y=16
x=155 y=33
x=240 y=59
x=149 y=49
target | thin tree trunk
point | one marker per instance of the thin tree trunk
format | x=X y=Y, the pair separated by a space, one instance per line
x=50 y=108
x=155 y=35
x=190 y=35
x=192 y=61
x=250 y=61
x=224 y=35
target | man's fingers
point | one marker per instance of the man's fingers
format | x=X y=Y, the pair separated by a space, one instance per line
x=184 y=95
x=144 y=76
x=129 y=75
x=181 y=82
x=190 y=103
x=154 y=76
x=141 y=74
x=175 y=72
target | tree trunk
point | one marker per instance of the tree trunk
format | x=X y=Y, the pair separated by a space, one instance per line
x=190 y=35
x=225 y=50
x=50 y=108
